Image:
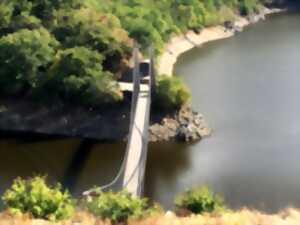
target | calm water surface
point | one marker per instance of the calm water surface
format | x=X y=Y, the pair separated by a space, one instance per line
x=248 y=88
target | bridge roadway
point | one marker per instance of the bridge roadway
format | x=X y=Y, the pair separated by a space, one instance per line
x=132 y=171
x=137 y=143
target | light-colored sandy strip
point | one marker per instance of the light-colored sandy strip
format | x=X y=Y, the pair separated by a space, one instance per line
x=183 y=43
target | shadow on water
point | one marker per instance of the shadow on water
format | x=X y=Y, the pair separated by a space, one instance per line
x=82 y=164
x=77 y=163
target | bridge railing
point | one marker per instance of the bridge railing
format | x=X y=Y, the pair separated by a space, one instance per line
x=118 y=182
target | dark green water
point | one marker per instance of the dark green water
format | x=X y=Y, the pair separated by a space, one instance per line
x=248 y=88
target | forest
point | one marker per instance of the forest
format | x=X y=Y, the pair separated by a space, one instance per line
x=75 y=50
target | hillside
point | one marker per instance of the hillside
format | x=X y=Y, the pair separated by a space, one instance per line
x=75 y=51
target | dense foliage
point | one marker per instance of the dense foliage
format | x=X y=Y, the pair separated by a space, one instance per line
x=72 y=49
x=77 y=74
x=171 y=92
x=61 y=48
x=151 y=21
x=120 y=206
x=25 y=55
x=33 y=196
x=199 y=200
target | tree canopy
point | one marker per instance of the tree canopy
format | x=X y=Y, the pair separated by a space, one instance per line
x=77 y=46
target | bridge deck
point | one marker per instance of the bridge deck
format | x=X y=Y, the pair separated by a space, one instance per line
x=132 y=170
x=136 y=159
x=126 y=86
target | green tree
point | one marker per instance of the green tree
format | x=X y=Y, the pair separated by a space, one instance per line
x=34 y=196
x=77 y=74
x=15 y=16
x=6 y=11
x=171 y=92
x=24 y=59
x=44 y=9
x=99 y=31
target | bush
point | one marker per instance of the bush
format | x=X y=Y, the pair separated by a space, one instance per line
x=24 y=58
x=199 y=200
x=171 y=92
x=41 y=201
x=77 y=74
x=44 y=9
x=120 y=206
x=98 y=31
x=6 y=12
x=248 y=6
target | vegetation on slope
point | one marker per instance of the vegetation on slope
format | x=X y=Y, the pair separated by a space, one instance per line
x=32 y=199
x=151 y=21
x=41 y=201
x=171 y=93
x=120 y=206
x=34 y=196
x=199 y=200
x=73 y=49
x=63 y=48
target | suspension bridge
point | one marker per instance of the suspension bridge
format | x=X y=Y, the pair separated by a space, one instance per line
x=132 y=171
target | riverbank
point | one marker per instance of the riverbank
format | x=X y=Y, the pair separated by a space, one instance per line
x=27 y=120
x=180 y=125
x=183 y=43
x=169 y=128
x=183 y=124
x=242 y=217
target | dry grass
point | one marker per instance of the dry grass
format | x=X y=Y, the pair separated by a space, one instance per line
x=80 y=218
x=242 y=217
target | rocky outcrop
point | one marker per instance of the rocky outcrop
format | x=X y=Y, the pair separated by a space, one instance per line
x=186 y=125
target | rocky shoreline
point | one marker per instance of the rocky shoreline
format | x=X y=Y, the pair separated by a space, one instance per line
x=27 y=120
x=186 y=125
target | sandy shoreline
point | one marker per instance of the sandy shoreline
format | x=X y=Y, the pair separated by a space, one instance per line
x=183 y=43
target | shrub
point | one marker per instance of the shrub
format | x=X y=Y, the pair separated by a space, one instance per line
x=6 y=12
x=24 y=57
x=171 y=92
x=44 y=9
x=199 y=200
x=78 y=74
x=145 y=33
x=248 y=6
x=99 y=31
x=120 y=206
x=41 y=201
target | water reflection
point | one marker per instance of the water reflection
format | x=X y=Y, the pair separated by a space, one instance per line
x=80 y=165
x=165 y=165
x=251 y=100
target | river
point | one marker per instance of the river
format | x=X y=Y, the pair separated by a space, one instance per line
x=248 y=89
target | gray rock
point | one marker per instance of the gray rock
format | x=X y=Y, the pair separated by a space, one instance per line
x=187 y=126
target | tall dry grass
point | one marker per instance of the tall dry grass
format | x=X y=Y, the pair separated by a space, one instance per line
x=242 y=217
